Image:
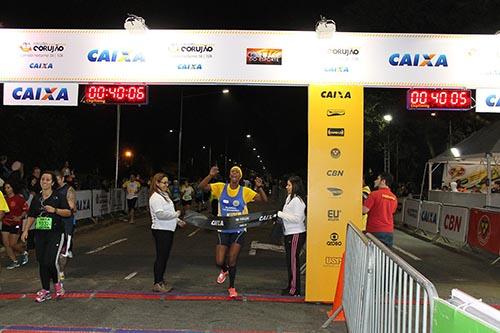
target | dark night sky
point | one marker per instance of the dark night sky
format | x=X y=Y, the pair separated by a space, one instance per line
x=275 y=116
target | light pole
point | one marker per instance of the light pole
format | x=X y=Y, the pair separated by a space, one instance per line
x=181 y=113
x=387 y=150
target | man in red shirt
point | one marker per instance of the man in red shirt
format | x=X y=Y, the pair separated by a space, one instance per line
x=380 y=206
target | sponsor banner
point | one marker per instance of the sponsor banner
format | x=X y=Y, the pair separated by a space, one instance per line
x=41 y=93
x=100 y=203
x=429 y=216
x=334 y=181
x=470 y=176
x=83 y=205
x=488 y=100
x=117 y=200
x=143 y=199
x=249 y=57
x=454 y=223
x=484 y=230
x=411 y=212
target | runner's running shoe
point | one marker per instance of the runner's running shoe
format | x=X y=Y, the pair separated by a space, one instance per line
x=232 y=292
x=24 y=257
x=59 y=290
x=42 y=296
x=222 y=276
x=14 y=264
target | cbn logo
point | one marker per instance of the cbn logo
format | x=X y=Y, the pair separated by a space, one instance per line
x=41 y=94
x=420 y=60
x=105 y=55
x=493 y=100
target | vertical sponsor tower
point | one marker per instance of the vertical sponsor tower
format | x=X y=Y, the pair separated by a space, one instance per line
x=335 y=166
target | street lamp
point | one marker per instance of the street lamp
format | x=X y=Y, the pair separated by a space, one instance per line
x=179 y=158
x=249 y=136
x=387 y=151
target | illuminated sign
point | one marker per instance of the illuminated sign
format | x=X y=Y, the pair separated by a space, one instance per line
x=439 y=99
x=116 y=94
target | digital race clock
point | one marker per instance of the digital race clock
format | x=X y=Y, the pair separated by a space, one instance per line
x=116 y=94
x=438 y=99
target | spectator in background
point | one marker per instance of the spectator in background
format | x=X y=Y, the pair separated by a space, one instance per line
x=66 y=171
x=132 y=187
x=187 y=192
x=496 y=187
x=17 y=178
x=34 y=181
x=4 y=169
x=453 y=186
x=380 y=206
x=12 y=225
x=175 y=192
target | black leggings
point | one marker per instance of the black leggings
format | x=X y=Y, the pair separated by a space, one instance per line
x=163 y=243
x=48 y=245
x=293 y=245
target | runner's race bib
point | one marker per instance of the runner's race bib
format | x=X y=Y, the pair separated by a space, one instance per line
x=43 y=223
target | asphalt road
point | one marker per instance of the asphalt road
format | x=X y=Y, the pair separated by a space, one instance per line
x=127 y=266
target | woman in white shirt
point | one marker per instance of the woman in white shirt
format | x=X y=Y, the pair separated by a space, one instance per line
x=164 y=220
x=293 y=216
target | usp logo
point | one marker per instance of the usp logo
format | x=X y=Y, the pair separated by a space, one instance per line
x=335 y=153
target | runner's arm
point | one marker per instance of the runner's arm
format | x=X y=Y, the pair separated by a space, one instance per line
x=26 y=228
x=204 y=184
x=71 y=197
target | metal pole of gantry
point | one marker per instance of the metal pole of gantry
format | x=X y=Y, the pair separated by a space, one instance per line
x=117 y=157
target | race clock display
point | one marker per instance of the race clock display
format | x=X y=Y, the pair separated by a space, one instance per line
x=116 y=94
x=439 y=99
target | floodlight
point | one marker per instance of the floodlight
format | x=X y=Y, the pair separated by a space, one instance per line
x=135 y=23
x=325 y=27
x=455 y=152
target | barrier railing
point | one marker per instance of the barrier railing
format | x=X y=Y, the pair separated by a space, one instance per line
x=398 y=297
x=382 y=292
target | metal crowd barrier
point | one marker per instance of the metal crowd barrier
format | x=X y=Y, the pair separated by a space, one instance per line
x=398 y=297
x=382 y=292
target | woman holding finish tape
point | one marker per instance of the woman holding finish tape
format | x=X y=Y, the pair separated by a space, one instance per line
x=293 y=216
x=164 y=220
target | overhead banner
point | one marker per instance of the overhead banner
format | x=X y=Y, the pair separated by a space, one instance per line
x=488 y=100
x=250 y=57
x=48 y=93
x=334 y=182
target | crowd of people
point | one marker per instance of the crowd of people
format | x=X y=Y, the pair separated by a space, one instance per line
x=38 y=213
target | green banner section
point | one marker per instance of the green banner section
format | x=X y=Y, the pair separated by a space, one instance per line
x=448 y=318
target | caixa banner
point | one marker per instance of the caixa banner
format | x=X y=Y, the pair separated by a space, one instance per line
x=50 y=93
x=488 y=100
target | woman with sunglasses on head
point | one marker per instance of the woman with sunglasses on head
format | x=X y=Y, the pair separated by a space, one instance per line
x=46 y=211
x=164 y=220
x=294 y=229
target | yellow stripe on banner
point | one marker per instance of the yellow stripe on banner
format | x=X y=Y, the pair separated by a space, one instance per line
x=334 y=182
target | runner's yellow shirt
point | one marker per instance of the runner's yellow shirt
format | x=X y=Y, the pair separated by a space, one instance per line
x=248 y=194
x=3 y=204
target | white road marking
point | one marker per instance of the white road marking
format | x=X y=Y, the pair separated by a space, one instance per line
x=194 y=232
x=131 y=275
x=106 y=246
x=414 y=257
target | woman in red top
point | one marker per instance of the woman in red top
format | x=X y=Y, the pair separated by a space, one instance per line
x=12 y=224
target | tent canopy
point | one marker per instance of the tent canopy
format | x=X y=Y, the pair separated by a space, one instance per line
x=475 y=147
